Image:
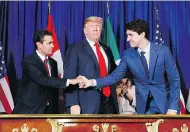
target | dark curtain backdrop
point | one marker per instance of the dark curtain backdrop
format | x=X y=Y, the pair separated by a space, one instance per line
x=19 y=20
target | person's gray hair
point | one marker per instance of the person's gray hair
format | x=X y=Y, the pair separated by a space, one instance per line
x=93 y=19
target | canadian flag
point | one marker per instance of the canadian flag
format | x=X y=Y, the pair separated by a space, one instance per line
x=56 y=55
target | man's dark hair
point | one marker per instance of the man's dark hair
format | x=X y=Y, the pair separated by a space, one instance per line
x=39 y=36
x=138 y=26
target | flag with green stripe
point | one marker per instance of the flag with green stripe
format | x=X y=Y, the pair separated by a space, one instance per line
x=109 y=40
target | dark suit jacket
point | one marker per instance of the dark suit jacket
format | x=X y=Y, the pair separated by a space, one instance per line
x=36 y=87
x=81 y=60
x=161 y=62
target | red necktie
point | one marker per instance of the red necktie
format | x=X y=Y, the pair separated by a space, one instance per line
x=103 y=69
x=46 y=66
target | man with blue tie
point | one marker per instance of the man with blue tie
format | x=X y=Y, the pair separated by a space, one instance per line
x=148 y=63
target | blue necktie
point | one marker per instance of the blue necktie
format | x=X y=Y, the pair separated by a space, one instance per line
x=144 y=62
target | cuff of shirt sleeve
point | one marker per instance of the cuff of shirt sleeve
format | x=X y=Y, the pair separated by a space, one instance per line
x=68 y=82
x=94 y=83
x=172 y=110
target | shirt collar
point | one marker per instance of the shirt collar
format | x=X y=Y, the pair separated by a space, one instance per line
x=91 y=42
x=146 y=49
x=41 y=56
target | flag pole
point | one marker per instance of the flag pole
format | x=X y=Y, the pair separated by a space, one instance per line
x=49 y=6
x=108 y=7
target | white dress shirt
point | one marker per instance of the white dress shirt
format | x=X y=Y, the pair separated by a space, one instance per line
x=147 y=53
x=43 y=58
x=49 y=67
x=101 y=49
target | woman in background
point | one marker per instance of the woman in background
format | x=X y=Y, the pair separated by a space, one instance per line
x=126 y=97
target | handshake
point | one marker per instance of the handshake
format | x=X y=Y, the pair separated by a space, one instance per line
x=82 y=81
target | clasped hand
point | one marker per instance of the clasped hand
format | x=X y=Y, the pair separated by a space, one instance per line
x=82 y=81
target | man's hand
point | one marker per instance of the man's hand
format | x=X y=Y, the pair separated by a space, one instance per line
x=75 y=109
x=85 y=83
x=171 y=112
x=75 y=81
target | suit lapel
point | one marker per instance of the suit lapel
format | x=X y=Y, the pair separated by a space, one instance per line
x=92 y=54
x=153 y=58
x=38 y=62
x=53 y=73
x=107 y=54
x=138 y=62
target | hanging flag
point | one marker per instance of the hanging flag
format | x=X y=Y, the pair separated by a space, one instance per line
x=188 y=103
x=182 y=104
x=6 y=100
x=159 y=40
x=56 y=55
x=109 y=40
x=158 y=36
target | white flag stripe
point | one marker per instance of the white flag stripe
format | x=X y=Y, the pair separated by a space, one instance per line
x=1 y=107
x=188 y=102
x=117 y=62
x=7 y=91
x=182 y=99
x=57 y=56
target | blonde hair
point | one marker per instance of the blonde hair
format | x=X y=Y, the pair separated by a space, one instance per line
x=93 y=19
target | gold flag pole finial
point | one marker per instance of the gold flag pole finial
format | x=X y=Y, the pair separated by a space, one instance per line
x=108 y=7
x=49 y=6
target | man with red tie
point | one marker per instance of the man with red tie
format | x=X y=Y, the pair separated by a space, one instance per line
x=92 y=59
x=37 y=92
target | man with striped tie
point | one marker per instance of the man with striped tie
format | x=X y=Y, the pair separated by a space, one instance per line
x=37 y=91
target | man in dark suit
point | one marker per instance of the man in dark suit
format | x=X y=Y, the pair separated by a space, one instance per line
x=39 y=79
x=92 y=59
x=148 y=63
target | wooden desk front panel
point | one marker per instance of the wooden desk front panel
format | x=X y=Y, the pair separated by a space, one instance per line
x=93 y=123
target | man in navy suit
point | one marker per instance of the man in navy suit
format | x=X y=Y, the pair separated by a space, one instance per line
x=148 y=63
x=40 y=80
x=87 y=58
